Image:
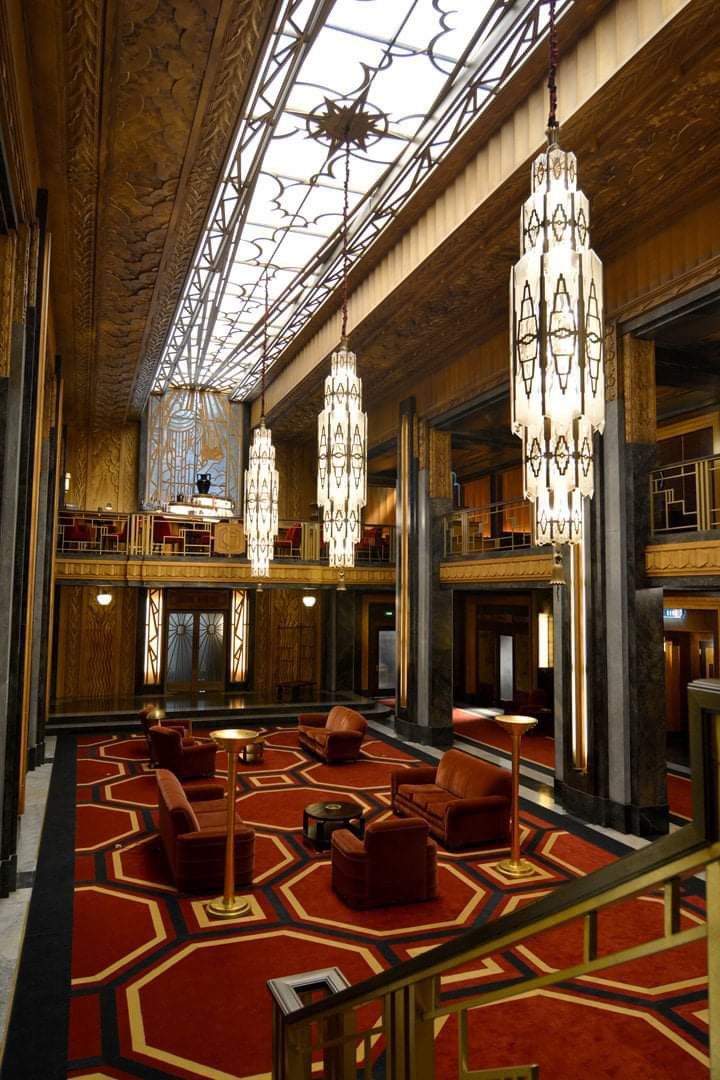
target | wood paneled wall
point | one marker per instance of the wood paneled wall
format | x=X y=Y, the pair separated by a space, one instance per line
x=380 y=506
x=297 y=469
x=287 y=641
x=96 y=645
x=103 y=466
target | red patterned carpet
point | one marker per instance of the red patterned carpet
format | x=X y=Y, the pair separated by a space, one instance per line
x=159 y=991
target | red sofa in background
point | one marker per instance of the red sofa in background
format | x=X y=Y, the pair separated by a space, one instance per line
x=335 y=736
x=193 y=830
x=395 y=863
x=464 y=800
x=186 y=757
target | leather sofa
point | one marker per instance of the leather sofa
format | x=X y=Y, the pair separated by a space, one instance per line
x=193 y=830
x=186 y=757
x=335 y=736
x=395 y=863
x=464 y=800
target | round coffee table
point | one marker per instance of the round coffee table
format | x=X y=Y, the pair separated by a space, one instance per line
x=320 y=820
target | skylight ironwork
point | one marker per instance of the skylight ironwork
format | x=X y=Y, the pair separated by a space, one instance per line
x=423 y=70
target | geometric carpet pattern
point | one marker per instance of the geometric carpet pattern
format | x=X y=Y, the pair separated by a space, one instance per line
x=159 y=990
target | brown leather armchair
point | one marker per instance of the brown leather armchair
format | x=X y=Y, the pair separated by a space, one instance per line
x=193 y=830
x=184 y=757
x=395 y=863
x=334 y=737
x=147 y=721
x=464 y=800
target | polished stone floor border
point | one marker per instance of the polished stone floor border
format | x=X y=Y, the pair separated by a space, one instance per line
x=36 y=1045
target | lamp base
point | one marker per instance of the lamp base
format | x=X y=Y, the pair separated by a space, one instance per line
x=237 y=905
x=516 y=868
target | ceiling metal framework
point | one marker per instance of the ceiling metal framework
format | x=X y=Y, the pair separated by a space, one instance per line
x=421 y=71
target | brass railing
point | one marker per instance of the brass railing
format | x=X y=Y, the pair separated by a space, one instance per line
x=386 y=1025
x=154 y=534
x=503 y=526
x=686 y=497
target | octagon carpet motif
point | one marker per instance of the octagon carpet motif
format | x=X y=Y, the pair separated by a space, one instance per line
x=160 y=990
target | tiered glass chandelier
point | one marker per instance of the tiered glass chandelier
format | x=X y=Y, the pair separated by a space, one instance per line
x=342 y=435
x=261 y=483
x=556 y=339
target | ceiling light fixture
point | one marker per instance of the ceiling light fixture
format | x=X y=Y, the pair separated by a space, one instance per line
x=556 y=341
x=261 y=481
x=342 y=425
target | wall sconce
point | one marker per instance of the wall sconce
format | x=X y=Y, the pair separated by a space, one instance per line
x=309 y=600
x=545 y=640
x=67 y=480
x=104 y=598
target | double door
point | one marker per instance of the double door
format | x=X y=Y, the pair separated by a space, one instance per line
x=196 y=650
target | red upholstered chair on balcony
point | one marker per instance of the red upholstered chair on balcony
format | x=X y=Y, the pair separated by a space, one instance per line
x=287 y=546
x=395 y=863
x=464 y=800
x=193 y=830
x=187 y=758
x=165 y=538
x=78 y=536
x=334 y=737
x=114 y=536
x=370 y=546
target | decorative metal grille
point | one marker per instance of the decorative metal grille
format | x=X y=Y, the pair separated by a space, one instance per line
x=240 y=630
x=425 y=69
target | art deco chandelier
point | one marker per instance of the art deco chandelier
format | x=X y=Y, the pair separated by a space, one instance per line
x=261 y=483
x=556 y=339
x=342 y=425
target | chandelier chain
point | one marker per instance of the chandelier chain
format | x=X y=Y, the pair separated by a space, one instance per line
x=345 y=256
x=264 y=349
x=552 y=71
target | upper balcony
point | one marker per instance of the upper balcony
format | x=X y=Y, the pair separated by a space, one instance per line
x=157 y=536
x=503 y=526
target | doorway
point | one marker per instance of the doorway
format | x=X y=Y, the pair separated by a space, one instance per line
x=381 y=658
x=196 y=641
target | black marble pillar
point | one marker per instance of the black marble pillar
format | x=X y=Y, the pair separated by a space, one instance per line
x=339 y=614
x=424 y=615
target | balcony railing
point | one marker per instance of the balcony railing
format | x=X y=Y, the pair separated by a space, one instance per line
x=84 y=532
x=685 y=497
x=503 y=526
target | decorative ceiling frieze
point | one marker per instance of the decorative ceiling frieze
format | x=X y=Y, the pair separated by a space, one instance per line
x=134 y=103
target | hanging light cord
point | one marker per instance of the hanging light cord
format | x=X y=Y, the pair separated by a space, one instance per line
x=345 y=258
x=264 y=352
x=552 y=72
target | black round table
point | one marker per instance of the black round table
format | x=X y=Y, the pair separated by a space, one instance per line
x=320 y=820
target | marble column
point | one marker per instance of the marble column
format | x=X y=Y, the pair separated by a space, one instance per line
x=623 y=782
x=423 y=607
x=339 y=614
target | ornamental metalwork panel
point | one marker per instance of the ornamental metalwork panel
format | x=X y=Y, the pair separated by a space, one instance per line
x=420 y=71
x=153 y=636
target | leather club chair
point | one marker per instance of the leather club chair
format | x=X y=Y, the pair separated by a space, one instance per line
x=193 y=830
x=464 y=800
x=395 y=863
x=186 y=758
x=335 y=736
x=147 y=722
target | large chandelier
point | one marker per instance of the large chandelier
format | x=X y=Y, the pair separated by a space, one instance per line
x=261 y=484
x=556 y=340
x=342 y=425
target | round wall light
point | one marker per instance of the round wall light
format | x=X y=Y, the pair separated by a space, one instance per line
x=309 y=600
x=104 y=598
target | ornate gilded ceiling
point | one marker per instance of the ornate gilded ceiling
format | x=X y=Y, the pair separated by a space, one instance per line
x=135 y=101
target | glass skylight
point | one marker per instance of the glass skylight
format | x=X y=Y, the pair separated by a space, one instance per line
x=426 y=68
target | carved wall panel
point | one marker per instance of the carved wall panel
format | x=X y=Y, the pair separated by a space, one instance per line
x=514 y=568
x=103 y=466
x=297 y=467
x=690 y=558
x=287 y=642
x=638 y=376
x=8 y=247
x=96 y=645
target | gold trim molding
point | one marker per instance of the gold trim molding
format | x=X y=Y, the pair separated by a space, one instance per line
x=688 y=558
x=147 y=571
x=513 y=568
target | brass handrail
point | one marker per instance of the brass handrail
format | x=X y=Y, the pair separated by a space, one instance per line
x=685 y=496
x=410 y=992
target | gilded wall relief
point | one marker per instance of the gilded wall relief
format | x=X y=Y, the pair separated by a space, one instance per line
x=103 y=467
x=638 y=376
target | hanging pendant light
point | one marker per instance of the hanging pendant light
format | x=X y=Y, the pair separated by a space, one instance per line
x=261 y=483
x=342 y=436
x=556 y=339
